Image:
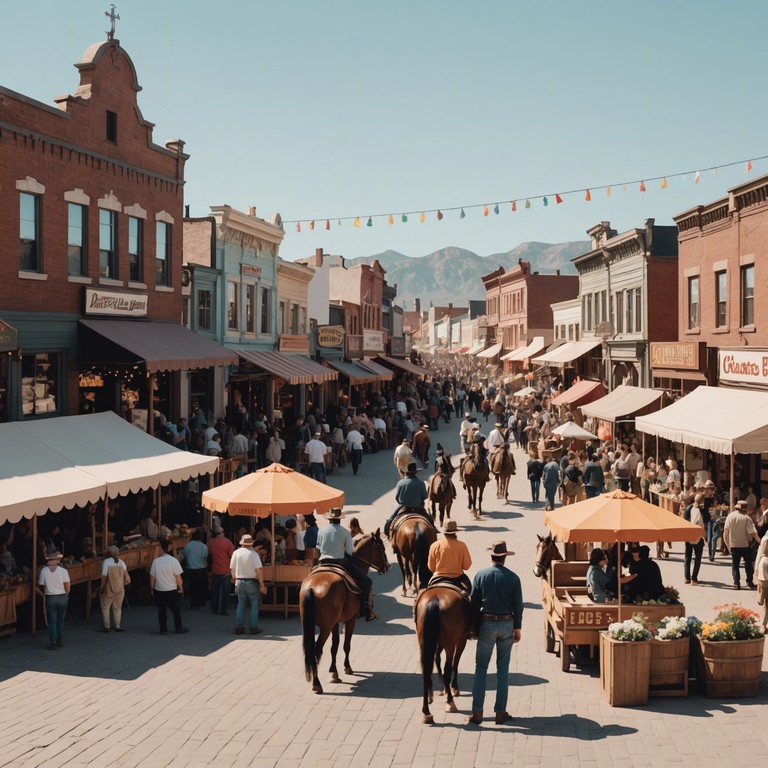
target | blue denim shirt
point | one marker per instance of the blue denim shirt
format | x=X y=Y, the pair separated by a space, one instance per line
x=411 y=492
x=497 y=590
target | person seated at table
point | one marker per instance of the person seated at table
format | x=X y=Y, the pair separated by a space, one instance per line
x=600 y=577
x=291 y=550
x=645 y=581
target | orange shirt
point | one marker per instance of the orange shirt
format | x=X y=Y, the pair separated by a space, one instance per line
x=448 y=557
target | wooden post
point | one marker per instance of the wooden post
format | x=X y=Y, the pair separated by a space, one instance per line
x=35 y=575
x=733 y=478
x=159 y=507
x=105 y=541
x=151 y=405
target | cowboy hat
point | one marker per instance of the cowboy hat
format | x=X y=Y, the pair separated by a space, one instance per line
x=334 y=514
x=412 y=468
x=499 y=424
x=709 y=484
x=53 y=556
x=499 y=549
x=247 y=540
x=450 y=528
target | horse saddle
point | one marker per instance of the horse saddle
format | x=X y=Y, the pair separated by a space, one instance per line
x=341 y=572
x=410 y=513
x=445 y=583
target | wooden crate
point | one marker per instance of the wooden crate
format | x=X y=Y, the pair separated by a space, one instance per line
x=624 y=671
x=669 y=667
x=730 y=668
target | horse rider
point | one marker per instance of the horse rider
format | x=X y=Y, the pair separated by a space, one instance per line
x=410 y=493
x=335 y=546
x=468 y=428
x=496 y=439
x=449 y=558
x=443 y=464
x=479 y=440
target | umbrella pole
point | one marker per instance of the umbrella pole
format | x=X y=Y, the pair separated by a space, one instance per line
x=105 y=541
x=618 y=577
x=733 y=478
x=35 y=575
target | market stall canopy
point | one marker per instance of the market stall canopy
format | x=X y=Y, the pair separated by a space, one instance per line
x=567 y=353
x=573 y=431
x=718 y=419
x=624 y=402
x=581 y=393
x=492 y=351
x=479 y=347
x=276 y=489
x=404 y=365
x=619 y=516
x=525 y=392
x=59 y=463
x=355 y=372
x=536 y=344
x=294 y=369
x=160 y=346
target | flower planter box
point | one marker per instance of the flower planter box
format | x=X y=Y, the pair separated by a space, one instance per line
x=624 y=671
x=730 y=668
x=669 y=667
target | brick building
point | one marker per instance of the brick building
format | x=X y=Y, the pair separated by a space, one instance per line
x=90 y=241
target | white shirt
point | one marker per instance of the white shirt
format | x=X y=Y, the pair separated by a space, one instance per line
x=212 y=445
x=239 y=444
x=244 y=562
x=109 y=562
x=209 y=433
x=165 y=569
x=495 y=440
x=355 y=440
x=401 y=406
x=380 y=424
x=53 y=580
x=316 y=451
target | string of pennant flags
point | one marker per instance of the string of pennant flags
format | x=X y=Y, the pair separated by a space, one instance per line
x=523 y=201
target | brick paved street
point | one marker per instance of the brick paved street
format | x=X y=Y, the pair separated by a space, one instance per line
x=209 y=698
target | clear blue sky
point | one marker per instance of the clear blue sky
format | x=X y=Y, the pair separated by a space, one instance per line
x=335 y=109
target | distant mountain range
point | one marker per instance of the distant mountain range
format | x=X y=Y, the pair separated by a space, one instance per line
x=454 y=274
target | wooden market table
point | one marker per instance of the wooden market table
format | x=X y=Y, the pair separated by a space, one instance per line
x=280 y=581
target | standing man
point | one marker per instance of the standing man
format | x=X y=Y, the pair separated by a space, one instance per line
x=196 y=560
x=535 y=471
x=355 y=442
x=593 y=478
x=165 y=582
x=245 y=568
x=315 y=450
x=497 y=609
x=551 y=481
x=220 y=550
x=55 y=586
x=403 y=457
x=449 y=558
x=738 y=532
x=410 y=493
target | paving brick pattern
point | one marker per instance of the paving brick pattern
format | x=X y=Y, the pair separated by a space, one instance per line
x=209 y=698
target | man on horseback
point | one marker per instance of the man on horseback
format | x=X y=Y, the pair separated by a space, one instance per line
x=449 y=558
x=410 y=493
x=496 y=439
x=335 y=546
x=479 y=441
x=467 y=431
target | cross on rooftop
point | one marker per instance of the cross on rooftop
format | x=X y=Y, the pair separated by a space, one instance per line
x=113 y=17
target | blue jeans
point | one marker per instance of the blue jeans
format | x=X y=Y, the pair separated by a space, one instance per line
x=739 y=554
x=498 y=634
x=220 y=592
x=247 y=591
x=318 y=471
x=592 y=491
x=356 y=456
x=56 y=610
x=550 y=492
x=535 y=488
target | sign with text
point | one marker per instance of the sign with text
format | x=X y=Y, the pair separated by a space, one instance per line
x=330 y=335
x=373 y=342
x=98 y=302
x=247 y=269
x=293 y=343
x=8 y=336
x=743 y=366
x=682 y=355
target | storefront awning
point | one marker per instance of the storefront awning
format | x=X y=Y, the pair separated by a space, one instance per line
x=383 y=374
x=717 y=419
x=479 y=347
x=490 y=352
x=581 y=393
x=355 y=372
x=624 y=402
x=59 y=463
x=668 y=373
x=566 y=353
x=160 y=346
x=293 y=369
x=521 y=353
x=405 y=365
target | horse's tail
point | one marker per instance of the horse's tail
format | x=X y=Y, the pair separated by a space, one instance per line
x=308 y=631
x=430 y=633
x=421 y=556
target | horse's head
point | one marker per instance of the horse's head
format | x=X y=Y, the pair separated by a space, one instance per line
x=546 y=552
x=371 y=552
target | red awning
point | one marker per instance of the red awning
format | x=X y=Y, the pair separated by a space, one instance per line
x=294 y=369
x=581 y=393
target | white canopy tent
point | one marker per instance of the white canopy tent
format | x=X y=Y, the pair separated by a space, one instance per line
x=48 y=465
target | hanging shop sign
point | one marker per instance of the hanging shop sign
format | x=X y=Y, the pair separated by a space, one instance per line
x=8 y=337
x=98 y=302
x=397 y=346
x=743 y=367
x=680 y=355
x=293 y=343
x=330 y=335
x=247 y=269
x=373 y=342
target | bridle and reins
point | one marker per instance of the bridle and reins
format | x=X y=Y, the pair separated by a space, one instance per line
x=369 y=538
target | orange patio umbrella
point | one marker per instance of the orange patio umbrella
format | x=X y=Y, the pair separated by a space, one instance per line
x=274 y=490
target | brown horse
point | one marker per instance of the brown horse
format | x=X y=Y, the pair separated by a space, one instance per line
x=441 y=492
x=443 y=622
x=503 y=467
x=325 y=602
x=474 y=476
x=413 y=537
x=546 y=552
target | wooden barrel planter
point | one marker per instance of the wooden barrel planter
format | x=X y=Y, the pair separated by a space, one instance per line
x=730 y=668
x=669 y=667
x=624 y=671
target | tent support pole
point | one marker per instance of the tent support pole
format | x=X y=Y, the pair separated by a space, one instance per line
x=159 y=507
x=733 y=478
x=618 y=577
x=658 y=458
x=35 y=576
x=151 y=404
x=105 y=542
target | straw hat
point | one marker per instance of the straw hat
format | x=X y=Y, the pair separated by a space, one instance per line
x=51 y=556
x=450 y=528
x=246 y=541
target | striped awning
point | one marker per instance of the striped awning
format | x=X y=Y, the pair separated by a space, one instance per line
x=294 y=369
x=356 y=372
x=491 y=351
x=405 y=365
